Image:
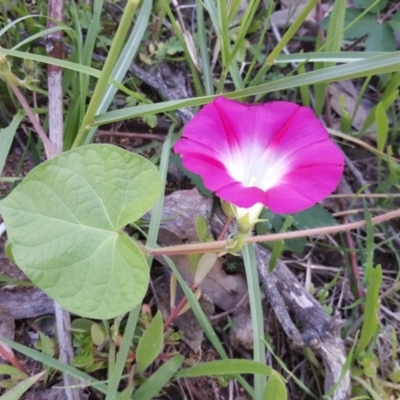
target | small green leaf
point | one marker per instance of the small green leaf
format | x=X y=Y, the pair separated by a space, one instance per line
x=13 y=372
x=150 y=343
x=7 y=136
x=150 y=389
x=202 y=228
x=276 y=253
x=46 y=344
x=82 y=325
x=370 y=324
x=17 y=391
x=204 y=266
x=388 y=98
x=380 y=38
x=65 y=223
x=279 y=244
x=382 y=126
x=360 y=28
x=275 y=388
x=55 y=363
x=226 y=367
x=8 y=252
x=395 y=21
x=82 y=360
x=314 y=217
x=98 y=335
x=381 y=4
x=276 y=222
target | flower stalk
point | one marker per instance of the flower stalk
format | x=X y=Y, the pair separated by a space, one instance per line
x=227 y=245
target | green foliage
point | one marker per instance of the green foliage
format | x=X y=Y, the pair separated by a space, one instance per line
x=17 y=391
x=314 y=217
x=88 y=338
x=230 y=56
x=150 y=343
x=204 y=266
x=366 y=21
x=202 y=228
x=14 y=376
x=275 y=388
x=370 y=324
x=158 y=379
x=77 y=205
x=231 y=367
x=170 y=47
x=6 y=138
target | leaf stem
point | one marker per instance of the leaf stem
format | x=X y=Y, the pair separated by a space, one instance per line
x=49 y=148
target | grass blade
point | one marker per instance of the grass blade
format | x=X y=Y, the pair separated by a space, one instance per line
x=7 y=137
x=124 y=61
x=87 y=380
x=284 y=41
x=374 y=65
x=205 y=58
x=18 y=390
x=256 y=315
x=158 y=379
x=118 y=369
x=109 y=64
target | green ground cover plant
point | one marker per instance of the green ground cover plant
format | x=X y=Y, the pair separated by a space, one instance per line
x=75 y=206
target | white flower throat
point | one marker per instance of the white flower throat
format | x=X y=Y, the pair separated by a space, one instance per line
x=264 y=170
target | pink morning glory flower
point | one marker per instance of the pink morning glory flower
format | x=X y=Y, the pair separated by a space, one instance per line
x=276 y=155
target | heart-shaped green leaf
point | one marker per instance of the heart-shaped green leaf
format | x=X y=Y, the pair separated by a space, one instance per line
x=65 y=221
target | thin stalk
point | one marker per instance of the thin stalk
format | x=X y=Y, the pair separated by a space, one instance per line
x=223 y=245
x=116 y=373
x=48 y=147
x=284 y=41
x=112 y=57
x=54 y=76
x=257 y=319
x=56 y=136
x=205 y=58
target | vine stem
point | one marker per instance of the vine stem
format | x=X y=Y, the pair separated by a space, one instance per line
x=48 y=146
x=176 y=310
x=223 y=245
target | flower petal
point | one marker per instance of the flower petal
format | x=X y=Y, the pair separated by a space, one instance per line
x=278 y=154
x=303 y=188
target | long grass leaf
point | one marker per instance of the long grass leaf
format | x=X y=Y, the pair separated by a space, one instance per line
x=118 y=369
x=124 y=61
x=158 y=379
x=357 y=69
x=109 y=64
x=334 y=38
x=204 y=54
x=20 y=388
x=87 y=380
x=257 y=318
x=284 y=41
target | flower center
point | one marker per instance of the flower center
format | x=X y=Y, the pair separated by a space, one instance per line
x=253 y=181
x=262 y=169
